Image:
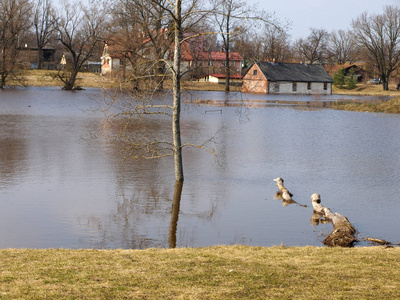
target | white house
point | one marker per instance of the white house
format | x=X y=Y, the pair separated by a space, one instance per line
x=285 y=78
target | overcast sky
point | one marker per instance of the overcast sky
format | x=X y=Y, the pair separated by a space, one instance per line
x=326 y=14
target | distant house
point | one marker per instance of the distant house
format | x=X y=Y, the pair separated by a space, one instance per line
x=287 y=78
x=358 y=69
x=213 y=62
x=114 y=58
x=194 y=60
x=29 y=58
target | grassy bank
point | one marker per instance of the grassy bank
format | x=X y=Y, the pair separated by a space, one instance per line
x=207 y=273
x=391 y=106
x=47 y=78
x=367 y=90
x=88 y=79
x=376 y=105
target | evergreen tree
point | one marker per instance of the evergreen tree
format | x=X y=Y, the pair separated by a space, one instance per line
x=338 y=78
x=351 y=79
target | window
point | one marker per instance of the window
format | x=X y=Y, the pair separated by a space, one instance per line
x=254 y=72
x=325 y=86
x=294 y=86
x=276 y=88
x=308 y=85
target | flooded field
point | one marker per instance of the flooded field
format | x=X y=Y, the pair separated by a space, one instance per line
x=64 y=181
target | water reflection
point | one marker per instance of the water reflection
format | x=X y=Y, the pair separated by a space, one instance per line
x=67 y=179
x=176 y=203
x=13 y=150
x=317 y=219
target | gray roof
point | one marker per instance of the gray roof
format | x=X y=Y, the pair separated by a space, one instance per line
x=294 y=72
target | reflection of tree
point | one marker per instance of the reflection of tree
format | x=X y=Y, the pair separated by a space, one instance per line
x=13 y=152
x=136 y=221
x=146 y=211
x=175 y=213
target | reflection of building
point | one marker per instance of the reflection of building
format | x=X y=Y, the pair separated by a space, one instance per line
x=282 y=78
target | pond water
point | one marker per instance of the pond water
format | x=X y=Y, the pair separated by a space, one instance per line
x=64 y=181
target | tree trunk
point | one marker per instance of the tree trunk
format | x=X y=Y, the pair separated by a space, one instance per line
x=227 y=49
x=69 y=83
x=40 y=59
x=2 y=81
x=343 y=234
x=385 y=83
x=176 y=130
x=3 y=70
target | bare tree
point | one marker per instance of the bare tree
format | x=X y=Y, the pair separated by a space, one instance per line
x=126 y=40
x=380 y=36
x=227 y=14
x=14 y=23
x=342 y=47
x=232 y=17
x=44 y=24
x=313 y=49
x=80 y=30
x=274 y=45
x=142 y=107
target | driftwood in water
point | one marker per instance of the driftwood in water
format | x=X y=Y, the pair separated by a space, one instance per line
x=284 y=194
x=343 y=233
x=378 y=241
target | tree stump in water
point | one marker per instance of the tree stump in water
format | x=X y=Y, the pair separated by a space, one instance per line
x=343 y=234
x=284 y=192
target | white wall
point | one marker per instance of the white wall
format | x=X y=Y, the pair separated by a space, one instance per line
x=302 y=88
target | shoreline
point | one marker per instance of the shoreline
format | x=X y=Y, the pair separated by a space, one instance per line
x=45 y=78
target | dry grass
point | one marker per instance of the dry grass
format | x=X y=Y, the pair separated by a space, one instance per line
x=380 y=106
x=234 y=272
x=46 y=78
x=367 y=90
x=88 y=79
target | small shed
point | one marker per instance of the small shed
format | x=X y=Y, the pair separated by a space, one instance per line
x=287 y=78
x=235 y=79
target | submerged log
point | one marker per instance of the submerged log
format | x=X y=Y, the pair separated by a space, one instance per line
x=343 y=234
x=378 y=241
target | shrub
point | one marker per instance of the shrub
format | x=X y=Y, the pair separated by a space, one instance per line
x=351 y=79
x=338 y=78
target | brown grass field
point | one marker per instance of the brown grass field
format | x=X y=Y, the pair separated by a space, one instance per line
x=220 y=272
